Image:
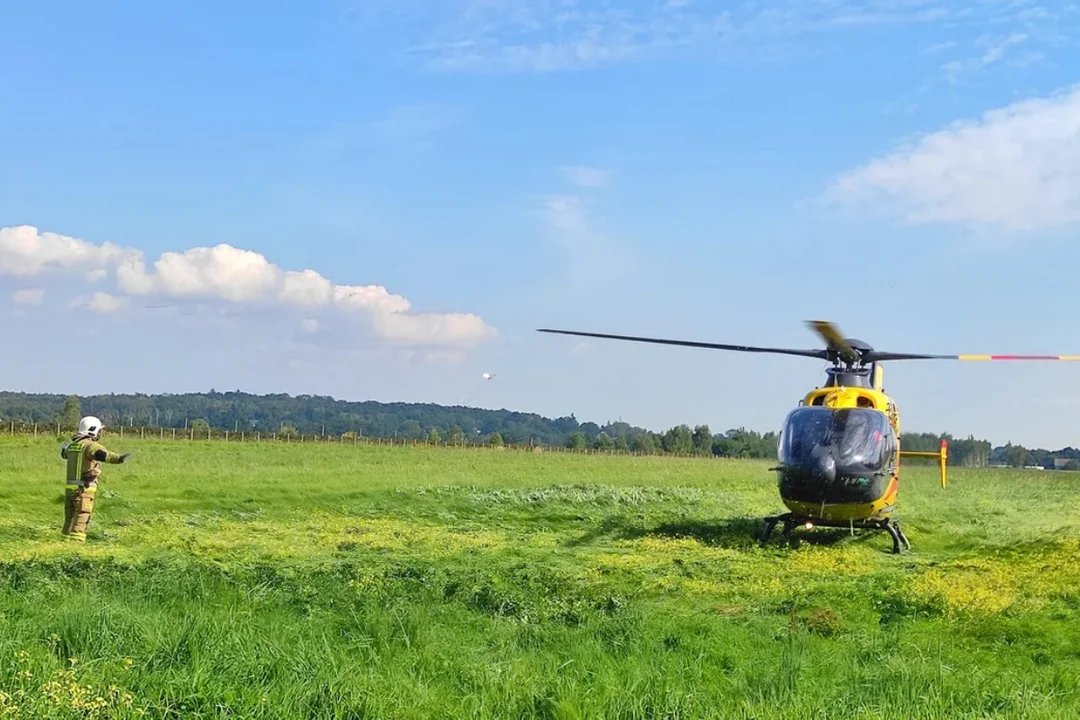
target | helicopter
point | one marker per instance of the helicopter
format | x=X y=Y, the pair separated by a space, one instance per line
x=839 y=449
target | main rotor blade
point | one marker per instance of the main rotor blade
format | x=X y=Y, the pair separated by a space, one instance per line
x=875 y=356
x=833 y=339
x=821 y=354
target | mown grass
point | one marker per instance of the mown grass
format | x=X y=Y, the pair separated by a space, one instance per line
x=265 y=580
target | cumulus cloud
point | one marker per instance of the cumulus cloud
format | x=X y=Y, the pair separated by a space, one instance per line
x=430 y=329
x=24 y=251
x=28 y=297
x=1016 y=168
x=369 y=297
x=101 y=303
x=234 y=275
x=222 y=271
x=306 y=288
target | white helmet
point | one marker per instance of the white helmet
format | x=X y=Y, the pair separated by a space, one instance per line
x=90 y=425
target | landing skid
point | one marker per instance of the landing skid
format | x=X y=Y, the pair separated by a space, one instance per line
x=791 y=520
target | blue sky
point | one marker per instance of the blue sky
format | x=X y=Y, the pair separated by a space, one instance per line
x=454 y=174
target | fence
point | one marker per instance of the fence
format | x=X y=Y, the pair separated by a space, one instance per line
x=37 y=430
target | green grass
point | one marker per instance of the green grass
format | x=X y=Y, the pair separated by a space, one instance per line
x=252 y=580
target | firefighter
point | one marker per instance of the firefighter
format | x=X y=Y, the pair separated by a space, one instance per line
x=84 y=455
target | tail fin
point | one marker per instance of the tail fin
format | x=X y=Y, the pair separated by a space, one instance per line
x=942 y=456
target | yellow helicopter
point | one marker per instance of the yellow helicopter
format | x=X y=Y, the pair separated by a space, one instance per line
x=839 y=450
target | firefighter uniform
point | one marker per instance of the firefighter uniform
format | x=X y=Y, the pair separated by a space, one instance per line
x=84 y=455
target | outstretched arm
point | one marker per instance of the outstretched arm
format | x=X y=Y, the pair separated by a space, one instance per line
x=101 y=454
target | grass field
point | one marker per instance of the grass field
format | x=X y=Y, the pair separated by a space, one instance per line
x=252 y=580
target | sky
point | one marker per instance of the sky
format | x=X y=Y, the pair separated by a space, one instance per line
x=384 y=200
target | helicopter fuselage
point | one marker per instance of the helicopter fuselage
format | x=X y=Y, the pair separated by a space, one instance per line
x=839 y=452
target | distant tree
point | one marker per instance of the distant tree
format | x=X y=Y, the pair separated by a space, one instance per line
x=590 y=429
x=199 y=424
x=678 y=439
x=456 y=436
x=434 y=436
x=743 y=443
x=1017 y=455
x=621 y=445
x=496 y=440
x=71 y=414
x=411 y=429
x=603 y=442
x=644 y=443
x=576 y=440
x=702 y=440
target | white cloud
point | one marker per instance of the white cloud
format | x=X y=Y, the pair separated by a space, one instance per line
x=306 y=288
x=25 y=251
x=222 y=271
x=431 y=329
x=309 y=325
x=101 y=303
x=1016 y=168
x=234 y=275
x=587 y=177
x=28 y=297
x=369 y=297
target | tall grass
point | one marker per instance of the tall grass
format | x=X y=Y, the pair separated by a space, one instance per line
x=244 y=580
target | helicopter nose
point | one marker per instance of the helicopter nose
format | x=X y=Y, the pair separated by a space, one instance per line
x=824 y=464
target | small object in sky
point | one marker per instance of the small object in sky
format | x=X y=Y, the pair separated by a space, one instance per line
x=488 y=376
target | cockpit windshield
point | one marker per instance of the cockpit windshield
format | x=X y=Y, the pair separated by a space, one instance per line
x=859 y=440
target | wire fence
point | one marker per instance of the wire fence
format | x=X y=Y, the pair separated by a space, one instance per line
x=209 y=434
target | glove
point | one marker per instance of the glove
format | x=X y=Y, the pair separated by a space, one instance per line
x=63 y=449
x=124 y=457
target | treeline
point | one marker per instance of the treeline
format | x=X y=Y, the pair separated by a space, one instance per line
x=310 y=414
x=321 y=415
x=971 y=452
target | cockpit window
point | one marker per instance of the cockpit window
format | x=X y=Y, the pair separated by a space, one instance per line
x=859 y=440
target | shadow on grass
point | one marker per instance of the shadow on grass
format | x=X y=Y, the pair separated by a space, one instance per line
x=741 y=533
